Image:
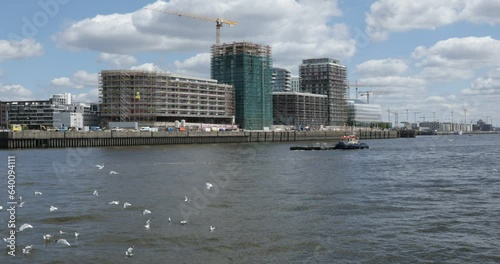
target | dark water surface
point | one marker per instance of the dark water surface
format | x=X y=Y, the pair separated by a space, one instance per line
x=433 y=199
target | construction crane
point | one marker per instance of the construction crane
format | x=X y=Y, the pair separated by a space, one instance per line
x=362 y=85
x=218 y=21
x=367 y=94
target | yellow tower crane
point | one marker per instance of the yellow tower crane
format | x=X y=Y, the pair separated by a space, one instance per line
x=218 y=21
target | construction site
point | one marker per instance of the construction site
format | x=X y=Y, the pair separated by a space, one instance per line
x=300 y=109
x=328 y=77
x=150 y=97
x=248 y=67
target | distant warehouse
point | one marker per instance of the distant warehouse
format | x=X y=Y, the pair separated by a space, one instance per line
x=149 y=96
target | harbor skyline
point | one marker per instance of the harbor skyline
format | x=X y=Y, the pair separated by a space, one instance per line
x=426 y=69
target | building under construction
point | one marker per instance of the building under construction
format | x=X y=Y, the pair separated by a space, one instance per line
x=248 y=67
x=149 y=96
x=328 y=77
x=300 y=109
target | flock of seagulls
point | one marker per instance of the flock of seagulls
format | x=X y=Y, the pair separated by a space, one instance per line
x=63 y=241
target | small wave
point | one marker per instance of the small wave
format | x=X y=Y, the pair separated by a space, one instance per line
x=68 y=219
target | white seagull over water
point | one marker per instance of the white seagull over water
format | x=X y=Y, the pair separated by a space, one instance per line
x=96 y=193
x=169 y=220
x=125 y=205
x=1 y=207
x=24 y=226
x=21 y=203
x=113 y=172
x=76 y=235
x=100 y=166
x=209 y=185
x=183 y=222
x=27 y=249
x=63 y=241
x=212 y=228
x=147 y=223
x=187 y=199
x=61 y=232
x=129 y=253
x=145 y=212
x=52 y=208
x=47 y=237
x=37 y=193
x=114 y=202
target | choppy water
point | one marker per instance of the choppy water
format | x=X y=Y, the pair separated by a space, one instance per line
x=432 y=199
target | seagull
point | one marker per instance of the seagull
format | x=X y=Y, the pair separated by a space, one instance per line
x=61 y=232
x=114 y=202
x=183 y=222
x=52 y=208
x=21 y=203
x=169 y=220
x=100 y=166
x=113 y=172
x=96 y=193
x=129 y=253
x=37 y=193
x=187 y=199
x=1 y=207
x=145 y=212
x=63 y=241
x=24 y=226
x=76 y=235
x=125 y=205
x=27 y=249
x=47 y=237
x=147 y=223
x=209 y=185
x=495 y=170
x=212 y=228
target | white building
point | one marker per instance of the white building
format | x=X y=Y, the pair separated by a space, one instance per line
x=63 y=99
x=295 y=84
x=68 y=119
x=362 y=114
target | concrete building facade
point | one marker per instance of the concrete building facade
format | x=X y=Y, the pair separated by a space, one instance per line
x=300 y=109
x=328 y=77
x=281 y=80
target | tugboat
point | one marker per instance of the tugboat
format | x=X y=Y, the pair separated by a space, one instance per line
x=350 y=142
x=346 y=142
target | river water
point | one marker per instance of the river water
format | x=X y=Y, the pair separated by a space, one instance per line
x=430 y=199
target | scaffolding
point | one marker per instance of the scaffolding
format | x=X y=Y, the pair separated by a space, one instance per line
x=248 y=67
x=300 y=109
x=150 y=96
x=327 y=76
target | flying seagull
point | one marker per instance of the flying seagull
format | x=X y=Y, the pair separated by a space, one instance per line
x=37 y=193
x=96 y=193
x=21 y=203
x=76 y=235
x=183 y=222
x=114 y=202
x=47 y=237
x=24 y=226
x=209 y=185
x=52 y=208
x=147 y=223
x=129 y=253
x=169 y=220
x=212 y=228
x=125 y=205
x=145 y=212
x=100 y=166
x=113 y=172
x=63 y=241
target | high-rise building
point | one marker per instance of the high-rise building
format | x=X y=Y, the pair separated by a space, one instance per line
x=281 y=80
x=299 y=109
x=362 y=114
x=295 y=84
x=248 y=67
x=329 y=77
x=63 y=99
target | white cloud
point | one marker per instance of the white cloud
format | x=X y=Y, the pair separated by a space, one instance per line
x=79 y=80
x=274 y=23
x=117 y=60
x=382 y=68
x=147 y=67
x=486 y=85
x=15 y=92
x=387 y=16
x=10 y=49
x=194 y=66
x=92 y=96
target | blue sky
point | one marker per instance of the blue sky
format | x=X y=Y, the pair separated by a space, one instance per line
x=430 y=59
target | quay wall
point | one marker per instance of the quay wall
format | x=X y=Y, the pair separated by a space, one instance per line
x=46 y=139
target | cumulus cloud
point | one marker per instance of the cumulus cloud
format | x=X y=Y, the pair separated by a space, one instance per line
x=388 y=16
x=79 y=80
x=486 y=85
x=147 y=67
x=15 y=92
x=26 y=48
x=198 y=65
x=92 y=96
x=274 y=23
x=384 y=67
x=117 y=60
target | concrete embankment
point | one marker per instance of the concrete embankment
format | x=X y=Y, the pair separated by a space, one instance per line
x=44 y=139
